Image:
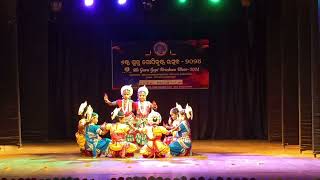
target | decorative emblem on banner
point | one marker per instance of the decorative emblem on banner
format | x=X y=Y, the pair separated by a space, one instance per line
x=160 y=48
x=127 y=69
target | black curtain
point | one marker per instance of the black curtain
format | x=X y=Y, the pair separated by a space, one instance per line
x=9 y=77
x=232 y=108
x=238 y=83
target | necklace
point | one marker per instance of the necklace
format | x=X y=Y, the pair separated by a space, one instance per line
x=143 y=107
x=125 y=106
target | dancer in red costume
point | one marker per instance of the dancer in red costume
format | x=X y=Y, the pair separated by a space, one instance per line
x=127 y=106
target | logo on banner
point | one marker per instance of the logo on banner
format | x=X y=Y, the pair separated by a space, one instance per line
x=160 y=48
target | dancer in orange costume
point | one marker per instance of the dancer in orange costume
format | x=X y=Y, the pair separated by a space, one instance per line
x=118 y=146
x=154 y=147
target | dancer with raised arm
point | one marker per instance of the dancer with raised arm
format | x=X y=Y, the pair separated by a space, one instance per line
x=127 y=106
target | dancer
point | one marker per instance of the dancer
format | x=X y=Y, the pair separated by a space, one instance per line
x=85 y=111
x=127 y=106
x=144 y=108
x=119 y=147
x=181 y=146
x=88 y=134
x=94 y=143
x=173 y=123
x=154 y=147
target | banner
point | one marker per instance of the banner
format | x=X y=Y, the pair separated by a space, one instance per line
x=161 y=64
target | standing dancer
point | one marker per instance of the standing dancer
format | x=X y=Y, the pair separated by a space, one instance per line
x=127 y=106
x=144 y=108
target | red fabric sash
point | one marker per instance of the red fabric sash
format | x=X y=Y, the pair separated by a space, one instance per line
x=117 y=137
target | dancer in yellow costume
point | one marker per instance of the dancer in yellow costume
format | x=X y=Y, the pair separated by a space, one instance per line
x=85 y=111
x=154 y=147
x=118 y=146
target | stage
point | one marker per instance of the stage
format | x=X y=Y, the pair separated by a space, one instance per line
x=210 y=159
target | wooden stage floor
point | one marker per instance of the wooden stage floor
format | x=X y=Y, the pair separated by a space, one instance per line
x=211 y=159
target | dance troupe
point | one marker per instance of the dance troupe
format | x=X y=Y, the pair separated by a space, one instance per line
x=136 y=128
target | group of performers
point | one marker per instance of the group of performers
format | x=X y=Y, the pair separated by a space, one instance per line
x=136 y=128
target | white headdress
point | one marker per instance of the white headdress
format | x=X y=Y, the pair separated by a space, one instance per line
x=85 y=110
x=154 y=115
x=115 y=113
x=127 y=87
x=82 y=107
x=189 y=112
x=179 y=107
x=89 y=112
x=143 y=89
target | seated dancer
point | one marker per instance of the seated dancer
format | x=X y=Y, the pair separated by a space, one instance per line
x=94 y=143
x=181 y=145
x=144 y=108
x=87 y=136
x=119 y=147
x=85 y=111
x=154 y=147
x=173 y=122
x=127 y=106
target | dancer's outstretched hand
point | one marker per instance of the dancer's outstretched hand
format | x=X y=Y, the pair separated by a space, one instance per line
x=165 y=125
x=154 y=105
x=106 y=98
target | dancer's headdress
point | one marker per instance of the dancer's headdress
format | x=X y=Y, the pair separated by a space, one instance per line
x=94 y=114
x=143 y=89
x=189 y=112
x=85 y=110
x=117 y=112
x=82 y=107
x=127 y=87
x=154 y=116
x=179 y=107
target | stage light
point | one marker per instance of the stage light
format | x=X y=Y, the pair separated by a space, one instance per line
x=122 y=2
x=182 y=1
x=214 y=1
x=88 y=3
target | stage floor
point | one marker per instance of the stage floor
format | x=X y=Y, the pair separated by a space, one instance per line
x=214 y=158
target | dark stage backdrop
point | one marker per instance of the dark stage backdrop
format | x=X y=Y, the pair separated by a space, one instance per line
x=10 y=120
x=233 y=107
